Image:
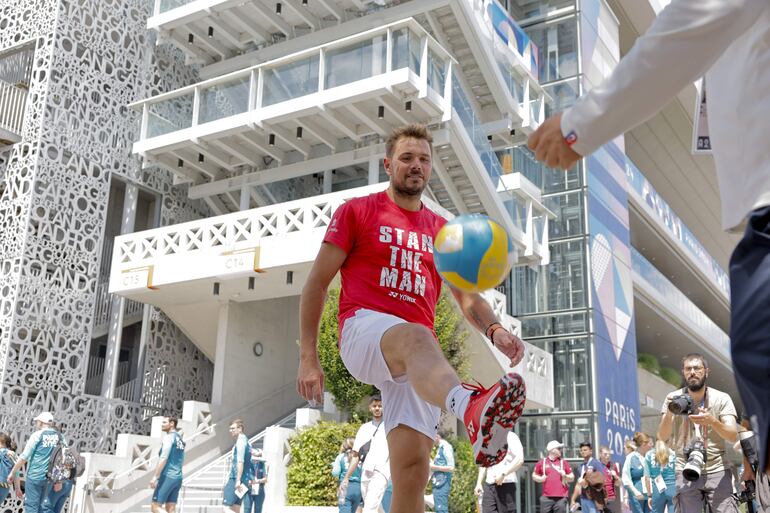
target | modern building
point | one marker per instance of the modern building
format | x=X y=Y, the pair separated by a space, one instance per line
x=168 y=169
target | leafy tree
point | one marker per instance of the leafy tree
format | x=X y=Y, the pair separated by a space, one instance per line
x=347 y=391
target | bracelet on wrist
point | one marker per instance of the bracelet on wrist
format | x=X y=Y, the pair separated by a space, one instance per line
x=491 y=328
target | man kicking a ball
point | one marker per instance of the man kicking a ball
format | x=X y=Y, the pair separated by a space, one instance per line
x=383 y=246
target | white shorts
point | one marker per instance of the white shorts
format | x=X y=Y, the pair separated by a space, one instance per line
x=361 y=353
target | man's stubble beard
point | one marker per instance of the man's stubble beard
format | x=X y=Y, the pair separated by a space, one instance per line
x=698 y=385
x=403 y=190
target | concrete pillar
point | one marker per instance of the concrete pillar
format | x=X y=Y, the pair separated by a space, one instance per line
x=328 y=177
x=374 y=170
x=116 y=302
x=257 y=389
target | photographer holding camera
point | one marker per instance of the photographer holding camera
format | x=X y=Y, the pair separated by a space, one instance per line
x=696 y=422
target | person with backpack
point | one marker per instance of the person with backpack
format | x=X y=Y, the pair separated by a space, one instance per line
x=442 y=468
x=62 y=470
x=589 y=490
x=167 y=479
x=7 y=461
x=37 y=455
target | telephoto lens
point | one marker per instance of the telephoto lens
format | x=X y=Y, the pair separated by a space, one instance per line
x=681 y=405
x=696 y=456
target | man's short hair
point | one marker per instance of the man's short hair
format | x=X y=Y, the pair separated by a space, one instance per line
x=695 y=356
x=411 y=131
x=586 y=444
x=604 y=448
x=375 y=397
x=237 y=423
x=172 y=420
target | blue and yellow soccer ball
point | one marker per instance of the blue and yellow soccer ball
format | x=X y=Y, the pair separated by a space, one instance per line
x=473 y=253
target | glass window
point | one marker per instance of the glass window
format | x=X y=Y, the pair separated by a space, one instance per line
x=436 y=73
x=569 y=215
x=558 y=48
x=295 y=188
x=521 y=10
x=406 y=50
x=563 y=96
x=560 y=285
x=521 y=160
x=552 y=324
x=355 y=62
x=536 y=431
x=292 y=80
x=223 y=100
x=571 y=372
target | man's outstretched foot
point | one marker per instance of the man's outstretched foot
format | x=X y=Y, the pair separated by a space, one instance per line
x=491 y=414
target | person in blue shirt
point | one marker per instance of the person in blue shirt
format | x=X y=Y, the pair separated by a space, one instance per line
x=635 y=470
x=255 y=498
x=7 y=461
x=340 y=468
x=590 y=464
x=237 y=485
x=37 y=455
x=58 y=491
x=662 y=481
x=443 y=466
x=167 y=479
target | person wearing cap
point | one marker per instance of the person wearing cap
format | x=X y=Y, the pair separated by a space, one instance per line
x=555 y=474
x=37 y=455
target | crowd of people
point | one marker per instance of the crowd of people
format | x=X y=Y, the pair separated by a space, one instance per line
x=683 y=469
x=50 y=466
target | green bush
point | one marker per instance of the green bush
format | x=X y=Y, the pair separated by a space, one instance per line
x=452 y=334
x=313 y=450
x=648 y=362
x=461 y=496
x=671 y=376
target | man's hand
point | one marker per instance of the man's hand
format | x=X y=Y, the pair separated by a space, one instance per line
x=703 y=418
x=478 y=490
x=499 y=480
x=508 y=344
x=638 y=496
x=153 y=482
x=310 y=379
x=549 y=145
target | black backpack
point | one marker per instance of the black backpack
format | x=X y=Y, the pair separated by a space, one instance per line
x=66 y=463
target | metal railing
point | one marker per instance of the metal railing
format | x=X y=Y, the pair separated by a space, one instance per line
x=12 y=102
x=16 y=66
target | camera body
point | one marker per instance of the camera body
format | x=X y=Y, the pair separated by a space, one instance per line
x=695 y=454
x=681 y=405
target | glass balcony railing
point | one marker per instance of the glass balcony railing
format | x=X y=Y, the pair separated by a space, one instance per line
x=676 y=228
x=678 y=303
x=341 y=62
x=494 y=169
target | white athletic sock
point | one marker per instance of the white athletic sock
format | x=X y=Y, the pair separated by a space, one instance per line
x=457 y=401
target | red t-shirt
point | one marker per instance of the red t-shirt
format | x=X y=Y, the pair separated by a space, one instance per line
x=389 y=267
x=609 y=482
x=553 y=485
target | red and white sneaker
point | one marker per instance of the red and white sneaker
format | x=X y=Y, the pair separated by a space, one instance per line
x=491 y=414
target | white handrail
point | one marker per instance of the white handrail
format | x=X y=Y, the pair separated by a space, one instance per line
x=207 y=429
x=12 y=102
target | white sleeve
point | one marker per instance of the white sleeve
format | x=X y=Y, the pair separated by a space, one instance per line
x=517 y=450
x=362 y=436
x=627 y=481
x=684 y=41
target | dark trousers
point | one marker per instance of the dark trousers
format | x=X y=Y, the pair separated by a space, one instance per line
x=749 y=322
x=499 y=499
x=553 y=504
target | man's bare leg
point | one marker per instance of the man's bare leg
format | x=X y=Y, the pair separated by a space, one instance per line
x=156 y=508
x=411 y=350
x=409 y=468
x=170 y=507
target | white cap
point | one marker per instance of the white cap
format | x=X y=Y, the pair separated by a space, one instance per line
x=553 y=444
x=46 y=417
